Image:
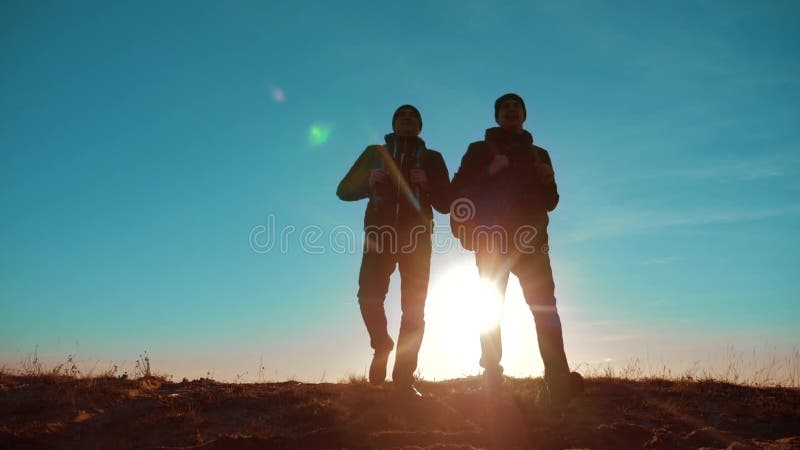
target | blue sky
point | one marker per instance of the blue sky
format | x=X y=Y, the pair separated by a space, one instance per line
x=141 y=143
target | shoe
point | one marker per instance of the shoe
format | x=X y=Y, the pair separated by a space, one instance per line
x=377 y=369
x=564 y=393
x=576 y=384
x=407 y=391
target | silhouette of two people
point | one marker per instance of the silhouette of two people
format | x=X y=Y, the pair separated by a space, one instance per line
x=509 y=183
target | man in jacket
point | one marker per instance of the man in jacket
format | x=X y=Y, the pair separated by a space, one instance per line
x=511 y=184
x=402 y=179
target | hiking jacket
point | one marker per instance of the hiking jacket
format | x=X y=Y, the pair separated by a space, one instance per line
x=513 y=197
x=396 y=202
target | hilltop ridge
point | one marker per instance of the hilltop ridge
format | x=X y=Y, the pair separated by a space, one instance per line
x=151 y=412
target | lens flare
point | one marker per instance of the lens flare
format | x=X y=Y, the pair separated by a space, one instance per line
x=277 y=94
x=318 y=134
x=397 y=175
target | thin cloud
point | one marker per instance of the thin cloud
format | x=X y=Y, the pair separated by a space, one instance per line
x=627 y=222
x=617 y=337
x=660 y=260
x=730 y=171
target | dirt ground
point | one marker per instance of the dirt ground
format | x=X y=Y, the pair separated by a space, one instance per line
x=107 y=413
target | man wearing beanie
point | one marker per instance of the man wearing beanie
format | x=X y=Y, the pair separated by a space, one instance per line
x=402 y=179
x=510 y=182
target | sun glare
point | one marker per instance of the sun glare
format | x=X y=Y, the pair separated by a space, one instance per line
x=460 y=306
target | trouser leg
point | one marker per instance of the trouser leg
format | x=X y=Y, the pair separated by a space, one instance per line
x=374 y=317
x=536 y=278
x=373 y=281
x=414 y=267
x=493 y=270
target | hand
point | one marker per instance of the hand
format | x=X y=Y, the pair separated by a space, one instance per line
x=545 y=173
x=498 y=164
x=377 y=176
x=419 y=177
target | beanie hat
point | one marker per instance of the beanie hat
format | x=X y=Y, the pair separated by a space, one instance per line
x=509 y=96
x=416 y=113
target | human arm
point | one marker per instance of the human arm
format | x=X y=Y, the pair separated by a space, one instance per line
x=546 y=190
x=356 y=184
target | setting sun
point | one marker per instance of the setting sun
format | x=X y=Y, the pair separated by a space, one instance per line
x=460 y=306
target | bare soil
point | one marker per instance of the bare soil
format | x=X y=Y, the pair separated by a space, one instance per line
x=108 y=413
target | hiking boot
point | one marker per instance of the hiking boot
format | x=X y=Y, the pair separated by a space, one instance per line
x=576 y=384
x=377 y=369
x=560 y=394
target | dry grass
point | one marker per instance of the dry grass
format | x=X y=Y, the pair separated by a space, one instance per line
x=781 y=371
x=33 y=367
x=353 y=378
x=776 y=372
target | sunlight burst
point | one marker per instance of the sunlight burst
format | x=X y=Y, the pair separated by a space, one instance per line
x=460 y=307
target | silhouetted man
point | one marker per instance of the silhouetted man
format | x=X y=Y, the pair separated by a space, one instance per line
x=402 y=179
x=511 y=184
